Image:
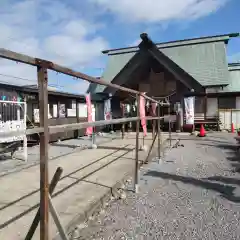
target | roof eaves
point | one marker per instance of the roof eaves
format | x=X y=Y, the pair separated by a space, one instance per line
x=177 y=43
x=34 y=89
x=180 y=74
x=234 y=66
x=125 y=73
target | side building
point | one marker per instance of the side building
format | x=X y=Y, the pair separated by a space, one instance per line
x=63 y=108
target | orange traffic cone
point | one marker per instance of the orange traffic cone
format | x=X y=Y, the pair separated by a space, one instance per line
x=202 y=131
x=232 y=128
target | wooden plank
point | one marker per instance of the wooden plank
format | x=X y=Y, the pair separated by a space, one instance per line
x=18 y=57
x=137 y=146
x=29 y=131
x=71 y=126
x=74 y=126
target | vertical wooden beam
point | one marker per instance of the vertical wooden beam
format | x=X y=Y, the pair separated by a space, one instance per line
x=78 y=120
x=137 y=146
x=205 y=107
x=123 y=124
x=169 y=126
x=159 y=132
x=44 y=139
x=25 y=150
x=58 y=109
x=153 y=128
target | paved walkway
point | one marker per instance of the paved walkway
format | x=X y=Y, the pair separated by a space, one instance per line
x=193 y=194
x=88 y=175
x=57 y=149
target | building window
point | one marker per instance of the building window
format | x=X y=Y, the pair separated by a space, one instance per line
x=227 y=102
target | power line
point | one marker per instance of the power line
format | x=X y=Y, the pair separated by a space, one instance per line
x=11 y=76
x=25 y=79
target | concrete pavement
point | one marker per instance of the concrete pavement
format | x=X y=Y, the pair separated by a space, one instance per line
x=88 y=176
x=56 y=149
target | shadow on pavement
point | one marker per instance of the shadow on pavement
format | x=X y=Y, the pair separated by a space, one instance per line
x=226 y=191
x=65 y=188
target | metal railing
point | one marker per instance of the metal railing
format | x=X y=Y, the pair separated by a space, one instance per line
x=45 y=130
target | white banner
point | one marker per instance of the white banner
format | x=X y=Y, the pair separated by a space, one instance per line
x=107 y=110
x=189 y=109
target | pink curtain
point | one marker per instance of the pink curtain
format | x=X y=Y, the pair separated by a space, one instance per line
x=142 y=115
x=89 y=130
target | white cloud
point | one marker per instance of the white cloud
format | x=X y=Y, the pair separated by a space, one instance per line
x=54 y=30
x=67 y=32
x=153 y=11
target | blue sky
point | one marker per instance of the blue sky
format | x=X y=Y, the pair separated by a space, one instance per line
x=73 y=33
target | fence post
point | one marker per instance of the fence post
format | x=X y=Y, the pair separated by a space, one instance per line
x=44 y=139
x=169 y=127
x=153 y=128
x=137 y=146
x=159 y=132
x=123 y=124
x=25 y=150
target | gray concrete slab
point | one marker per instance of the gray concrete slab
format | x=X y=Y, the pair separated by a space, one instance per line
x=8 y=165
x=88 y=176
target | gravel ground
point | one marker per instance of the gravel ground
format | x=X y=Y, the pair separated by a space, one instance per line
x=8 y=165
x=192 y=194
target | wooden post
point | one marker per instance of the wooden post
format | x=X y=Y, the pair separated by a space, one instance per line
x=137 y=145
x=169 y=126
x=205 y=107
x=153 y=128
x=159 y=132
x=131 y=114
x=123 y=124
x=25 y=148
x=44 y=139
x=78 y=120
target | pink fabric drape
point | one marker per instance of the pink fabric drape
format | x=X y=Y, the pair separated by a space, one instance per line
x=153 y=110
x=142 y=115
x=89 y=130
